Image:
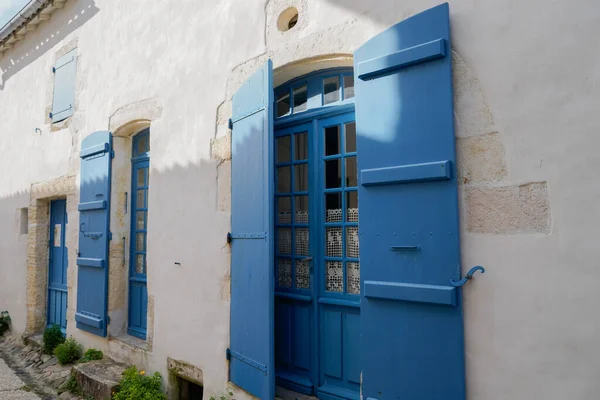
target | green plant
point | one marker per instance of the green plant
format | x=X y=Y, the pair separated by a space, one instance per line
x=72 y=386
x=52 y=338
x=135 y=385
x=68 y=351
x=91 y=355
x=4 y=322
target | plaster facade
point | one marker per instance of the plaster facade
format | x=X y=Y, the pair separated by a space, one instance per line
x=526 y=125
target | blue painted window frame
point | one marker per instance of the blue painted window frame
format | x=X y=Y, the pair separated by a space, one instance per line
x=315 y=93
x=139 y=160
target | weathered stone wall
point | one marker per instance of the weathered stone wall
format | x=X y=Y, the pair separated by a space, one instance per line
x=526 y=133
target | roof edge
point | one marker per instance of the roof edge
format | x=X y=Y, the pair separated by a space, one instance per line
x=26 y=20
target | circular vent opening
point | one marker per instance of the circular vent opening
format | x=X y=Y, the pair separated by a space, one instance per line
x=287 y=19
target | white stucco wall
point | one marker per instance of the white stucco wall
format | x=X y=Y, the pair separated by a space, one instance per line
x=525 y=71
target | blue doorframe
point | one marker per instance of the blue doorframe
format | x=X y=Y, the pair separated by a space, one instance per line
x=57 y=269
x=138 y=292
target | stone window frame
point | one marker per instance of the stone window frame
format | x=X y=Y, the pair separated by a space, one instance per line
x=124 y=123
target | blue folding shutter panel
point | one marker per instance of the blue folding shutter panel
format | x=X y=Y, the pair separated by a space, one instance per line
x=63 y=101
x=251 y=352
x=94 y=232
x=411 y=317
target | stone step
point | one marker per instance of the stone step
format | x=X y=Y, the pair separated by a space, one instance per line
x=98 y=378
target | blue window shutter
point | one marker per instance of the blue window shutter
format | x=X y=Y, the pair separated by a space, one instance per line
x=251 y=352
x=411 y=317
x=63 y=101
x=94 y=233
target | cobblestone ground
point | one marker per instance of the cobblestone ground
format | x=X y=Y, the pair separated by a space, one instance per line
x=12 y=387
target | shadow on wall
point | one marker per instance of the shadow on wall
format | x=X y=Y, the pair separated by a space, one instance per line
x=13 y=260
x=49 y=33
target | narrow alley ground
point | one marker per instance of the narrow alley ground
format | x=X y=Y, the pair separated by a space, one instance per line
x=12 y=387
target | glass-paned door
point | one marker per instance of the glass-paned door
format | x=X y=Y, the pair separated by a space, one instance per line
x=294 y=313
x=57 y=271
x=138 y=293
x=317 y=267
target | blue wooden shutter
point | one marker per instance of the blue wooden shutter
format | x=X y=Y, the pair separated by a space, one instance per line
x=411 y=317
x=251 y=352
x=63 y=101
x=94 y=233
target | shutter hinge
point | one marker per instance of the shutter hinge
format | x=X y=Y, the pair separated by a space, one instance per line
x=230 y=124
x=109 y=235
x=108 y=320
x=112 y=154
x=250 y=235
x=230 y=353
x=50 y=115
x=53 y=70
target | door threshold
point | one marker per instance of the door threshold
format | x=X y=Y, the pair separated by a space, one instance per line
x=286 y=394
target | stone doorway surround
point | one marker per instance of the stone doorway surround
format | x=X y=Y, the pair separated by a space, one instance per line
x=42 y=193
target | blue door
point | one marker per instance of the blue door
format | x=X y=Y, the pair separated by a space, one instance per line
x=317 y=268
x=57 y=271
x=411 y=314
x=138 y=292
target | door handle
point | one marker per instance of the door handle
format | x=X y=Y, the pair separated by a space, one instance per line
x=467 y=276
x=306 y=259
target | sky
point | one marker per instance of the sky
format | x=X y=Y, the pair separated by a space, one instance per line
x=9 y=8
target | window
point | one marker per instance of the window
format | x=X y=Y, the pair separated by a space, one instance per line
x=330 y=88
x=138 y=294
x=23 y=221
x=63 y=101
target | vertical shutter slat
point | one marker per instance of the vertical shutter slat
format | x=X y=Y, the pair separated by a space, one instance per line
x=94 y=232
x=251 y=352
x=409 y=243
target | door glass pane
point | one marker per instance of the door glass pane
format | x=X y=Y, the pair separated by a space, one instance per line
x=57 y=235
x=302 y=274
x=301 y=178
x=351 y=172
x=283 y=149
x=140 y=242
x=331 y=92
x=283 y=105
x=352 y=242
x=142 y=145
x=140 y=220
x=301 y=209
x=352 y=206
x=300 y=99
x=335 y=276
x=140 y=197
x=301 y=146
x=284 y=273
x=284 y=180
x=332 y=140
x=348 y=87
x=284 y=210
x=141 y=176
x=353 y=277
x=333 y=173
x=302 y=243
x=350 y=130
x=284 y=241
x=333 y=241
x=333 y=207
x=140 y=264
